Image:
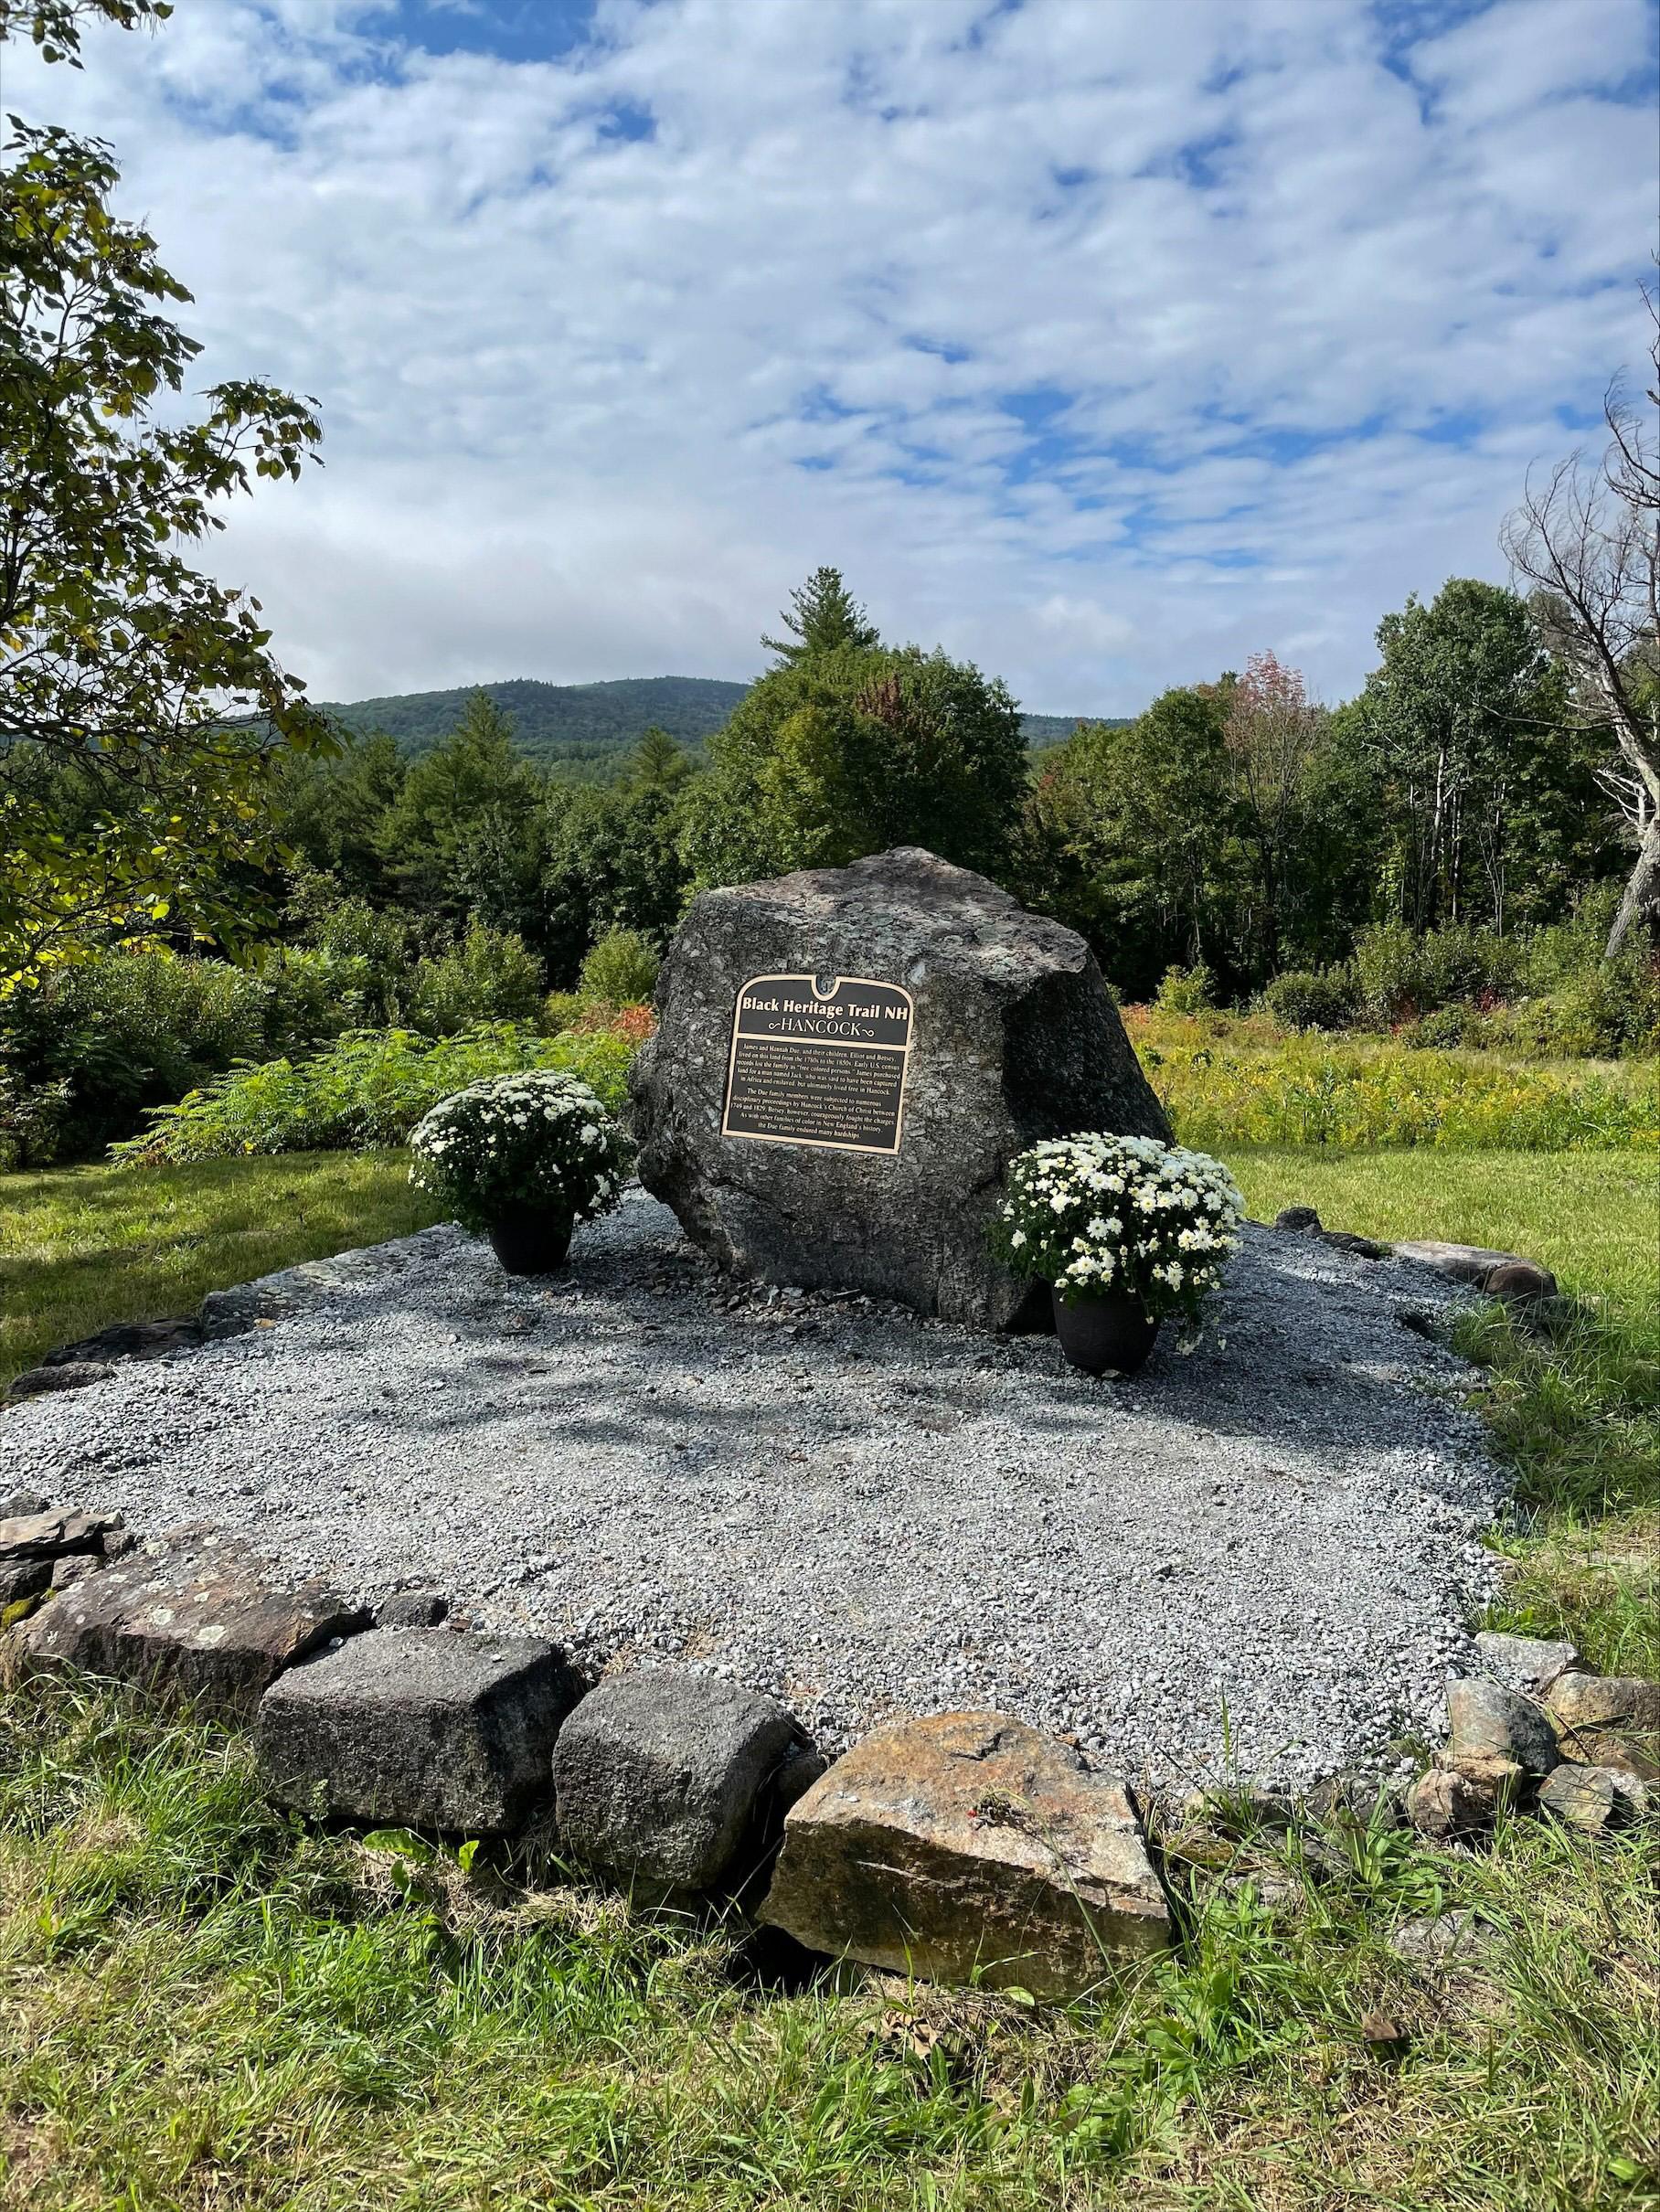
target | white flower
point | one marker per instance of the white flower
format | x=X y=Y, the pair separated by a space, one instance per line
x=1019 y=1238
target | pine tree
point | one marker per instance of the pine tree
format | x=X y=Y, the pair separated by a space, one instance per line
x=821 y=615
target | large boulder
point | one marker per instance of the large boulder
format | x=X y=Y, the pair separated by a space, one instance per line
x=657 y=1773
x=906 y=1030
x=965 y=1846
x=205 y=1626
x=420 y=1727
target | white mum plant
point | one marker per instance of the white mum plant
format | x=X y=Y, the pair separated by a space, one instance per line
x=535 y=1138
x=1093 y=1213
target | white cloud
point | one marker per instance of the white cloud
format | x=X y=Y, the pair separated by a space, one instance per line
x=1099 y=349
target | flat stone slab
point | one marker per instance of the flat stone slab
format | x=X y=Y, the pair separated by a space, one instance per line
x=1529 y=1664
x=51 y=1534
x=967 y=1846
x=1471 y=1263
x=1257 y=1561
x=418 y=1728
x=204 y=1626
x=657 y=1773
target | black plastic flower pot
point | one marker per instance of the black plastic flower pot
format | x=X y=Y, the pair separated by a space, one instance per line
x=531 y=1240
x=1110 y=1334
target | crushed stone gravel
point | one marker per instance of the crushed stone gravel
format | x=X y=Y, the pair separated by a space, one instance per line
x=1257 y=1560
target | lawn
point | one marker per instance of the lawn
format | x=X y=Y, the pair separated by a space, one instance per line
x=80 y=1247
x=202 y=2006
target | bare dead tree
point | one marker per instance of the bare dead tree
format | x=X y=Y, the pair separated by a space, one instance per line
x=1586 y=538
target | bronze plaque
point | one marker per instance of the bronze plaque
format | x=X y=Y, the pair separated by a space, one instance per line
x=818 y=1061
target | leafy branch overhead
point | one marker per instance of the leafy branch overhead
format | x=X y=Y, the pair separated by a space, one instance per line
x=140 y=706
x=54 y=25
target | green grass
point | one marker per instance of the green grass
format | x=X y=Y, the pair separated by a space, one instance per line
x=206 y=2006
x=1592 y=1216
x=203 y=2005
x=80 y=1247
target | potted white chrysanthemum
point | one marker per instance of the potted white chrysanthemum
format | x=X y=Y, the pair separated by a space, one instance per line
x=1126 y=1232
x=521 y=1159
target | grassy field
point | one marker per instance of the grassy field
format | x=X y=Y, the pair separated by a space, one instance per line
x=1593 y=1217
x=80 y=1247
x=204 y=2006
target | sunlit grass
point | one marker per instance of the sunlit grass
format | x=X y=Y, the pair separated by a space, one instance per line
x=80 y=1247
x=205 y=2006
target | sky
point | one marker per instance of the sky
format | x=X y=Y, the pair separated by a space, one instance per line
x=1101 y=342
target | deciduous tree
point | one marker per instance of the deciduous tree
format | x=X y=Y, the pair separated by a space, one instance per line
x=1586 y=538
x=140 y=706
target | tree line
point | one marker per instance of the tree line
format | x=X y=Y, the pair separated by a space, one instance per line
x=1237 y=822
x=163 y=779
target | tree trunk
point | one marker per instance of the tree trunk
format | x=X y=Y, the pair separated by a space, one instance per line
x=1641 y=899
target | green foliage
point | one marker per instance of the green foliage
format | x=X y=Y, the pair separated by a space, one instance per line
x=613 y=858
x=1403 y=972
x=1489 y=806
x=1314 y=998
x=140 y=709
x=55 y=26
x=1223 y=826
x=1224 y=1084
x=621 y=969
x=822 y=617
x=1540 y=994
x=585 y=732
x=488 y=976
x=851 y=751
x=123 y=1032
x=535 y=1138
x=368 y=1089
x=463 y=835
x=1186 y=990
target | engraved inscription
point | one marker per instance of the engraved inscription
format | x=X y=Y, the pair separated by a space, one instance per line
x=819 y=1060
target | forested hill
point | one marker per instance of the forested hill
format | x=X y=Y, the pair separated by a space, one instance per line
x=583 y=728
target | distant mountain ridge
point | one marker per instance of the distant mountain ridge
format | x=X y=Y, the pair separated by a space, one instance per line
x=586 y=728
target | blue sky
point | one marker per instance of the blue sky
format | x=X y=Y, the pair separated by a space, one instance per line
x=1101 y=342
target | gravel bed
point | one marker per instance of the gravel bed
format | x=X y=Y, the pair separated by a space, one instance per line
x=1260 y=1558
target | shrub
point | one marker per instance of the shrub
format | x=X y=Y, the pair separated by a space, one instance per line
x=312 y=996
x=1403 y=973
x=489 y=976
x=31 y=1121
x=123 y=1032
x=621 y=970
x=1095 y=1213
x=1314 y=998
x=367 y=1089
x=538 y=1138
x=1186 y=990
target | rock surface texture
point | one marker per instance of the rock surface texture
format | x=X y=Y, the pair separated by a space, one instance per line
x=657 y=1773
x=203 y=1624
x=969 y=1846
x=1611 y=1720
x=1013 y=1037
x=420 y=1727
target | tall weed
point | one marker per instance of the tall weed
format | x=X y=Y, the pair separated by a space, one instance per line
x=1231 y=1083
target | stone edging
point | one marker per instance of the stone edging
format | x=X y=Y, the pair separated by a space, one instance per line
x=954 y=1845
